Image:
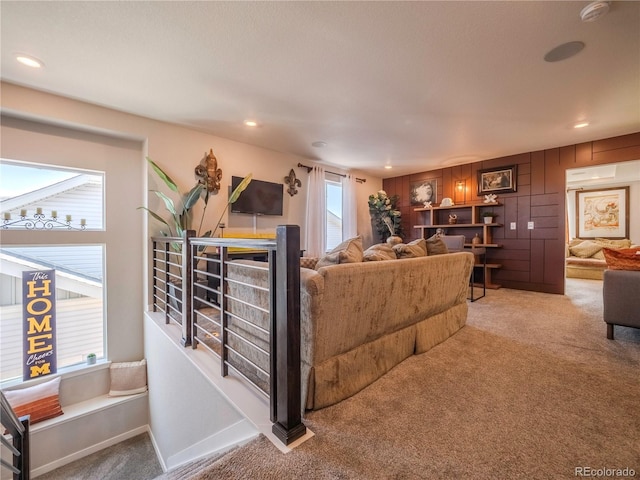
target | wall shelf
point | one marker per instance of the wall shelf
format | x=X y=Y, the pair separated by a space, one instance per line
x=469 y=216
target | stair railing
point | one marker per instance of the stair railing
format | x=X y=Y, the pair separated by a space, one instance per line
x=18 y=429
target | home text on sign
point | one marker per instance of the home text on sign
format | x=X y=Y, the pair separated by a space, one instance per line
x=39 y=314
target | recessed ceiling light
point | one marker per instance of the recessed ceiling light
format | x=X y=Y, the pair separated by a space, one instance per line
x=319 y=144
x=581 y=125
x=388 y=167
x=564 y=51
x=251 y=123
x=29 y=61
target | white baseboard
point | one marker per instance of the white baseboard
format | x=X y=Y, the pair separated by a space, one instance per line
x=88 y=451
x=157 y=450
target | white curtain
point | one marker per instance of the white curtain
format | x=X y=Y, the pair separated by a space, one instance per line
x=349 y=207
x=316 y=214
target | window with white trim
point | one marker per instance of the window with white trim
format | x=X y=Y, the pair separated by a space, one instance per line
x=333 y=227
x=45 y=198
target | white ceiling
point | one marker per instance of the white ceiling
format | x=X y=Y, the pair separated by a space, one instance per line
x=417 y=85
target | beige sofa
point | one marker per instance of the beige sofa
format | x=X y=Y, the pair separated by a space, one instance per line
x=584 y=257
x=359 y=320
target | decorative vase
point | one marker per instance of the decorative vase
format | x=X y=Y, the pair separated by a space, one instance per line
x=453 y=219
x=476 y=240
x=394 y=240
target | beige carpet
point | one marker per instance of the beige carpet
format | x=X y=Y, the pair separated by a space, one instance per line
x=530 y=388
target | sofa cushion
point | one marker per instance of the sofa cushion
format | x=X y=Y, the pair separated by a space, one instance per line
x=435 y=246
x=414 y=249
x=622 y=259
x=585 y=249
x=349 y=251
x=607 y=242
x=379 y=252
x=40 y=401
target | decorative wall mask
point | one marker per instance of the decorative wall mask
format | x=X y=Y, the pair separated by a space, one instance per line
x=208 y=173
x=293 y=182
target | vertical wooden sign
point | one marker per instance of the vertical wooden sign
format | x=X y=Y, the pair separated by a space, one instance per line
x=39 y=325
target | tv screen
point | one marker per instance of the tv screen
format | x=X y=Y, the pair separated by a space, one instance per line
x=259 y=198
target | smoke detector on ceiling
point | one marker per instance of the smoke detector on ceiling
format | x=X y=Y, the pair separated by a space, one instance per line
x=594 y=10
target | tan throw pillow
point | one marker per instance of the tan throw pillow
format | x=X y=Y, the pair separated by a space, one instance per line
x=41 y=401
x=417 y=248
x=435 y=246
x=607 y=242
x=585 y=249
x=598 y=255
x=128 y=378
x=379 y=252
x=308 y=262
x=349 y=251
x=622 y=258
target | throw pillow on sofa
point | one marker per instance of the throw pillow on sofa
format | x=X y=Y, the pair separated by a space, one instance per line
x=607 y=242
x=585 y=249
x=349 y=251
x=379 y=252
x=435 y=246
x=622 y=258
x=41 y=401
x=417 y=248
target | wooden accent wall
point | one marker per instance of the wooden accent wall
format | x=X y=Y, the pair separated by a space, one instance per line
x=531 y=259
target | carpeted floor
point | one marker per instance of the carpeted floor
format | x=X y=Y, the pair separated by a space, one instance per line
x=133 y=459
x=530 y=388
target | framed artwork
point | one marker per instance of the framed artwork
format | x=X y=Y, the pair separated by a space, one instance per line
x=424 y=191
x=497 y=180
x=602 y=213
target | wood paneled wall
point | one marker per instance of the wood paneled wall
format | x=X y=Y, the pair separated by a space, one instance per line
x=531 y=259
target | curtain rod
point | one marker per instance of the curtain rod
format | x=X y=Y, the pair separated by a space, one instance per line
x=359 y=180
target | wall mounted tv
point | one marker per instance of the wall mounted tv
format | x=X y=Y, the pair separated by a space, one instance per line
x=259 y=198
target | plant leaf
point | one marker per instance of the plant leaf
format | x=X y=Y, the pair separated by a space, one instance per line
x=167 y=202
x=155 y=215
x=192 y=197
x=165 y=178
x=240 y=188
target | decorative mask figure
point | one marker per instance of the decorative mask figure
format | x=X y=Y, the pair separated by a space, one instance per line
x=293 y=182
x=208 y=173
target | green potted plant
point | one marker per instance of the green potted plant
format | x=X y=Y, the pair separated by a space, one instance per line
x=488 y=216
x=91 y=359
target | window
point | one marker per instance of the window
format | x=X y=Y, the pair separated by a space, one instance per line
x=333 y=229
x=42 y=199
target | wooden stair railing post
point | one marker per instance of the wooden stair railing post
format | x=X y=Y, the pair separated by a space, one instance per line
x=24 y=460
x=285 y=337
x=187 y=287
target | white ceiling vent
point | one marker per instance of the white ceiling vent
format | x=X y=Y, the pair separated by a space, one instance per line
x=594 y=10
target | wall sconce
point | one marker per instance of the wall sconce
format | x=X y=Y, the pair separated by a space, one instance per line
x=460 y=191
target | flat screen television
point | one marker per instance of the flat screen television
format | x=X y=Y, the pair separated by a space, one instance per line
x=259 y=198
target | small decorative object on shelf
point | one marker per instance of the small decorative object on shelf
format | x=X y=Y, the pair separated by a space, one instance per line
x=489 y=216
x=40 y=222
x=91 y=359
x=476 y=240
x=446 y=202
x=427 y=205
x=491 y=198
x=453 y=219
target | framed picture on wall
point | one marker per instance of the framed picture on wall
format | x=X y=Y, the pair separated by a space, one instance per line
x=424 y=191
x=497 y=180
x=602 y=213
